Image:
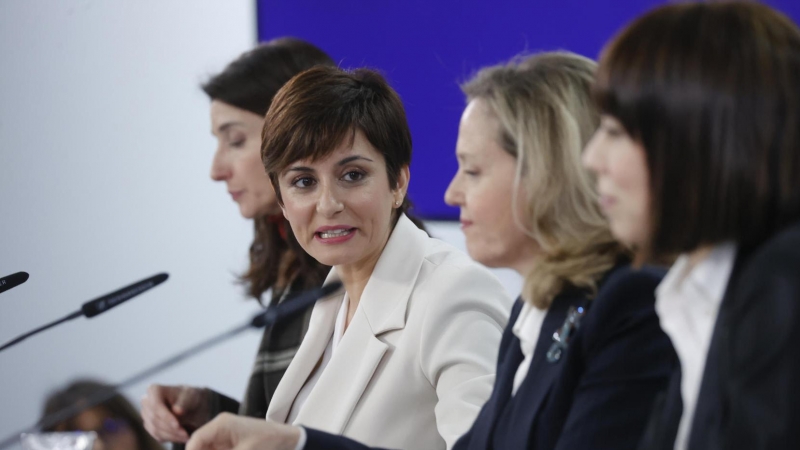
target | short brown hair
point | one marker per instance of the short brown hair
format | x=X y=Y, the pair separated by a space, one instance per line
x=544 y=106
x=712 y=92
x=320 y=108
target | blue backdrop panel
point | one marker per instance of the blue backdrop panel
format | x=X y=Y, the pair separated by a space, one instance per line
x=426 y=48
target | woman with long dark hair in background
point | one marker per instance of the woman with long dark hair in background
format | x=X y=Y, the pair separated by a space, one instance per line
x=240 y=97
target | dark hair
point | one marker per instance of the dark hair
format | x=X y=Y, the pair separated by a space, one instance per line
x=712 y=92
x=320 y=108
x=117 y=407
x=250 y=82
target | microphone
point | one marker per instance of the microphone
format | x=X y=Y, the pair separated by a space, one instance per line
x=12 y=281
x=97 y=306
x=270 y=316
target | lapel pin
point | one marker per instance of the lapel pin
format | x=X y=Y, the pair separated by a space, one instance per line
x=562 y=336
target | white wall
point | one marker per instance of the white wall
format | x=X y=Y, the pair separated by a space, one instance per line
x=104 y=160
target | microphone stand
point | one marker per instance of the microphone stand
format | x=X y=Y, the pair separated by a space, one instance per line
x=273 y=314
x=97 y=306
x=19 y=339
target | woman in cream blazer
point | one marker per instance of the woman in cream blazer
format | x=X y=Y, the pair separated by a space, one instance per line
x=405 y=358
x=417 y=361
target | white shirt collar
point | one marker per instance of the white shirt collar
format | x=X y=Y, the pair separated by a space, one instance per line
x=710 y=275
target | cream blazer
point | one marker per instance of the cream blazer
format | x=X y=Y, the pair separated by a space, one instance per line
x=417 y=361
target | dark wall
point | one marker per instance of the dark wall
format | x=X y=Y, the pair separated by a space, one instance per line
x=426 y=48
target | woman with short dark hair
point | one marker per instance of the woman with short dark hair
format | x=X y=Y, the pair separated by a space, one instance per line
x=404 y=355
x=698 y=155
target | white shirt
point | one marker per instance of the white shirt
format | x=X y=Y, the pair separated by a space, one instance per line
x=687 y=303
x=338 y=332
x=527 y=328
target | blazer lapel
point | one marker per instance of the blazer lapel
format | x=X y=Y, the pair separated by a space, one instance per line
x=542 y=373
x=330 y=405
x=382 y=308
x=320 y=331
x=386 y=295
x=486 y=423
x=707 y=419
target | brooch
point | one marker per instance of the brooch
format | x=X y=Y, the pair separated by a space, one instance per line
x=562 y=335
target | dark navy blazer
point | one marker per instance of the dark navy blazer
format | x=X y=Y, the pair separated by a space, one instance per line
x=749 y=397
x=599 y=394
x=596 y=396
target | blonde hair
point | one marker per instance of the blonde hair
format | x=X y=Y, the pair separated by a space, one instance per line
x=544 y=107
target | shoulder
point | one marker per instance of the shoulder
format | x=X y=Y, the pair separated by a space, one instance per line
x=779 y=257
x=765 y=292
x=451 y=285
x=625 y=301
x=448 y=269
x=625 y=284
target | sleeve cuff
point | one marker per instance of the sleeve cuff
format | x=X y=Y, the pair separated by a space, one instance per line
x=301 y=442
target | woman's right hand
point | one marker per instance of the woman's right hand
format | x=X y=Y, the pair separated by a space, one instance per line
x=170 y=413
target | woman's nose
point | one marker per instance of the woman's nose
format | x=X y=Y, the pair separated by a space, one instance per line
x=328 y=203
x=220 y=169
x=453 y=195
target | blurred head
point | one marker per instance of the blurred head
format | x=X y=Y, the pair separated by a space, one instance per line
x=700 y=142
x=240 y=97
x=116 y=422
x=337 y=148
x=526 y=202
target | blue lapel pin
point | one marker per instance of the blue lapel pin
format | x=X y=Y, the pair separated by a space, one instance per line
x=562 y=336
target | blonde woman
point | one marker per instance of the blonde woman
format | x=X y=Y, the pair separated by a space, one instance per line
x=583 y=356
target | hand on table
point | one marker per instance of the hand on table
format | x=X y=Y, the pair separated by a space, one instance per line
x=170 y=413
x=228 y=431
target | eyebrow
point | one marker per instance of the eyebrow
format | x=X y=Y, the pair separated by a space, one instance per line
x=350 y=159
x=343 y=162
x=222 y=128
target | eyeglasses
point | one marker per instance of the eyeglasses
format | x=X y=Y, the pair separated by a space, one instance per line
x=111 y=428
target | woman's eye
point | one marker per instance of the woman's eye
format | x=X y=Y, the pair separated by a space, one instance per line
x=472 y=173
x=303 y=182
x=237 y=144
x=353 y=176
x=613 y=131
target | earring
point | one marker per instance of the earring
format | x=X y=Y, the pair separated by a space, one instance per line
x=397 y=203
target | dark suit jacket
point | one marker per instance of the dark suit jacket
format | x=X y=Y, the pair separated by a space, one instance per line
x=596 y=396
x=750 y=393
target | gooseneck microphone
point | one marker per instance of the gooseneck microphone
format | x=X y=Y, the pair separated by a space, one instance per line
x=271 y=315
x=97 y=306
x=12 y=281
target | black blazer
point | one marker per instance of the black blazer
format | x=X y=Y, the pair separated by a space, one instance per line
x=597 y=395
x=749 y=397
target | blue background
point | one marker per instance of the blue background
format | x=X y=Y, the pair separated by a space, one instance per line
x=425 y=48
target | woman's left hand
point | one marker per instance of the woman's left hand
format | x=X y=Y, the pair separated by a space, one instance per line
x=228 y=431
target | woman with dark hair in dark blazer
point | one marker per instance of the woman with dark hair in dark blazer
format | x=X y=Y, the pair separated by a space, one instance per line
x=698 y=154
x=582 y=358
x=240 y=97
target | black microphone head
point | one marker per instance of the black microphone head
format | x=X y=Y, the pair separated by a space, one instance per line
x=294 y=304
x=13 y=280
x=108 y=301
